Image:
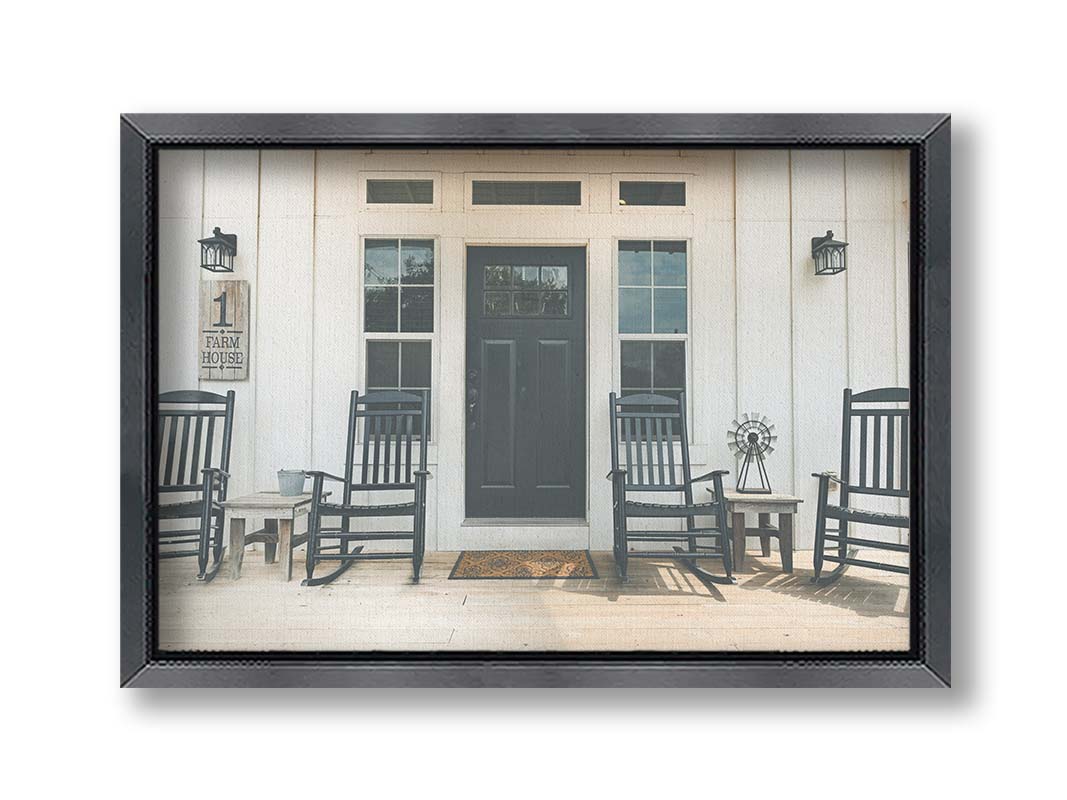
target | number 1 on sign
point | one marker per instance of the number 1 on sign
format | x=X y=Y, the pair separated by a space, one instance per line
x=222 y=323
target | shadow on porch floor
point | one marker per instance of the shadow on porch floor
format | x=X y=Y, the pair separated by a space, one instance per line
x=374 y=606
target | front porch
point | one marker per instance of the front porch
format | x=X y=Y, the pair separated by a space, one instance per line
x=375 y=606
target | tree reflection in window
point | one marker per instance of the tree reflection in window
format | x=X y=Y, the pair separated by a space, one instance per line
x=398 y=277
x=526 y=291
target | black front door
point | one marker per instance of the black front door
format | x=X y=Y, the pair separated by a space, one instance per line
x=525 y=382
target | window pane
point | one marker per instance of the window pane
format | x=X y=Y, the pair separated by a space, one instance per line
x=553 y=277
x=554 y=304
x=527 y=193
x=415 y=365
x=399 y=365
x=636 y=365
x=668 y=365
x=524 y=277
x=416 y=309
x=399 y=191
x=635 y=263
x=379 y=310
x=497 y=304
x=670 y=311
x=380 y=262
x=382 y=365
x=497 y=276
x=416 y=261
x=635 y=311
x=527 y=303
x=668 y=261
x=652 y=193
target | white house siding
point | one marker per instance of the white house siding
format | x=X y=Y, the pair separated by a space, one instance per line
x=765 y=333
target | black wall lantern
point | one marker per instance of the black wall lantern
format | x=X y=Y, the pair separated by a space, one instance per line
x=829 y=254
x=217 y=251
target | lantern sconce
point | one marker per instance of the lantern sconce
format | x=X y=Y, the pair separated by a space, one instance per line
x=829 y=254
x=217 y=251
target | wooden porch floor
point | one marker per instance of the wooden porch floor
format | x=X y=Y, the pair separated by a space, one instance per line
x=375 y=606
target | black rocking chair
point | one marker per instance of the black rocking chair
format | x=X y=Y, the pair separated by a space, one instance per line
x=392 y=422
x=643 y=429
x=194 y=462
x=874 y=462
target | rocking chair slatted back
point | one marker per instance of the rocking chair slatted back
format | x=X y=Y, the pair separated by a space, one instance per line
x=194 y=432
x=874 y=442
x=645 y=427
x=392 y=421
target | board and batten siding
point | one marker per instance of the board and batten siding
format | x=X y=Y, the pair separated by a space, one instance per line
x=765 y=334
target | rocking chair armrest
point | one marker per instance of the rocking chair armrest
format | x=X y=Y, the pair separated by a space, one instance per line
x=312 y=473
x=611 y=475
x=217 y=478
x=709 y=475
x=422 y=473
x=829 y=476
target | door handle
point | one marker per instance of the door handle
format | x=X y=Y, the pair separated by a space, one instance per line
x=472 y=407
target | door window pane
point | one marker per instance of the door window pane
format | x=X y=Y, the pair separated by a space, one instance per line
x=553 y=304
x=497 y=304
x=525 y=277
x=497 y=276
x=526 y=304
x=553 y=277
x=536 y=291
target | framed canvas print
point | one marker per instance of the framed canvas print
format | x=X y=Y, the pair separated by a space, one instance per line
x=535 y=400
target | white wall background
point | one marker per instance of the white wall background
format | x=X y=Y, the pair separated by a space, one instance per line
x=70 y=71
x=766 y=334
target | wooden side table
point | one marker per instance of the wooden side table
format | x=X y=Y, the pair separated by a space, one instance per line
x=279 y=514
x=763 y=505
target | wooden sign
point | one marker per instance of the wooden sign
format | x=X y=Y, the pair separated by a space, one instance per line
x=223 y=330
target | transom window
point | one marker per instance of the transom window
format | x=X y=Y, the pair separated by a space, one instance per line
x=521 y=291
x=652 y=287
x=398 y=278
x=402 y=365
x=651 y=193
x=526 y=193
x=399 y=190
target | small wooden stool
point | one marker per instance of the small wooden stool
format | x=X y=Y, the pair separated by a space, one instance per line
x=279 y=513
x=763 y=505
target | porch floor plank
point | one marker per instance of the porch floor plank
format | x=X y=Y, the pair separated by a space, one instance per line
x=663 y=606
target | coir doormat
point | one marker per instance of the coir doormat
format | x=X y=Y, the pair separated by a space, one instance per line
x=523 y=564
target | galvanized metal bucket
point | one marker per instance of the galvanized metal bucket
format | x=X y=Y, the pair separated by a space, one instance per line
x=290 y=482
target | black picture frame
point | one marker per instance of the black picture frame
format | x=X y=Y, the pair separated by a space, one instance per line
x=926 y=664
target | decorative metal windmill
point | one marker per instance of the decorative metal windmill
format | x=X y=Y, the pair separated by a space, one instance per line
x=751 y=439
